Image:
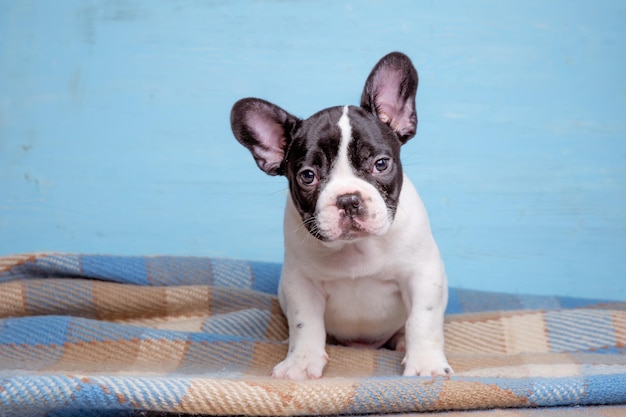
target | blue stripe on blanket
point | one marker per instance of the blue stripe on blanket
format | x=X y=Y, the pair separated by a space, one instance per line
x=265 y=276
x=129 y=270
x=470 y=301
x=572 y=330
x=49 y=330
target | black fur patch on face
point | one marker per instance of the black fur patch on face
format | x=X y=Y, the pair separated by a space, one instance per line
x=314 y=146
x=372 y=141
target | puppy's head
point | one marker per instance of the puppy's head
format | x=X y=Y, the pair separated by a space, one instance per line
x=342 y=163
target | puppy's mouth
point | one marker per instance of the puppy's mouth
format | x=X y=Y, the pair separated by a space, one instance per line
x=348 y=229
x=351 y=228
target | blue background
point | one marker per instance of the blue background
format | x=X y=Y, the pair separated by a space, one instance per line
x=115 y=136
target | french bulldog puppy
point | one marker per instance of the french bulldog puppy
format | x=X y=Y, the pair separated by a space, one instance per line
x=361 y=267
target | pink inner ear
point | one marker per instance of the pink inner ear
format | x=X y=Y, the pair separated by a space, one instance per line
x=386 y=85
x=271 y=137
x=390 y=107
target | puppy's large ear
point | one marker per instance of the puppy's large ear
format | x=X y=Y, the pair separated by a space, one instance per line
x=265 y=129
x=389 y=94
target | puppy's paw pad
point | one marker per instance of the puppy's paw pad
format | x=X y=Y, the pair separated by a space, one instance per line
x=298 y=367
x=432 y=363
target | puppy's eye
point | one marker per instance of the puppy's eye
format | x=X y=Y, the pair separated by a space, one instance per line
x=307 y=177
x=381 y=165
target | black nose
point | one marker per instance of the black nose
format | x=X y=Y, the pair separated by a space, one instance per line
x=351 y=204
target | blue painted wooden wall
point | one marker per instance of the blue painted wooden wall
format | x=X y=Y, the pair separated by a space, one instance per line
x=114 y=131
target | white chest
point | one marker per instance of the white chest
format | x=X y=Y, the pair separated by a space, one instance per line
x=363 y=310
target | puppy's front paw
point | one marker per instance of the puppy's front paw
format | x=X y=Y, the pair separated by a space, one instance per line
x=300 y=366
x=426 y=363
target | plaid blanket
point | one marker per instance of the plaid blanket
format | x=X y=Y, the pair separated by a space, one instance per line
x=105 y=335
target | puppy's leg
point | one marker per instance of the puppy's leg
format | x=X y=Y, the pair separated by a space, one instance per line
x=304 y=305
x=424 y=342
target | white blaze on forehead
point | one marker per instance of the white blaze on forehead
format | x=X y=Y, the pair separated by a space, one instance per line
x=342 y=165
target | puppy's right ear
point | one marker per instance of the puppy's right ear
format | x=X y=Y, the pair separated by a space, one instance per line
x=265 y=129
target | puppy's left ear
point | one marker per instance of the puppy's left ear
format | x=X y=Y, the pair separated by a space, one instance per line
x=389 y=94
